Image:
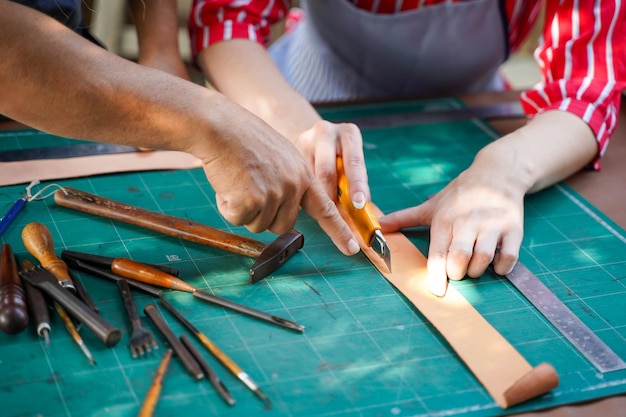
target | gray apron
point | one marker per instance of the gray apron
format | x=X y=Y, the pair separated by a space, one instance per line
x=340 y=52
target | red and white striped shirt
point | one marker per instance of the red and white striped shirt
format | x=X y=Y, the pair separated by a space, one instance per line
x=581 y=55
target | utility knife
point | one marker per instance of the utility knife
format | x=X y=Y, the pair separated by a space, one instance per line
x=364 y=219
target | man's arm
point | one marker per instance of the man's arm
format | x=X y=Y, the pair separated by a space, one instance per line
x=229 y=40
x=55 y=81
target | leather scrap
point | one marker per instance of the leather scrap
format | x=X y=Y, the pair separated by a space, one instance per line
x=20 y=172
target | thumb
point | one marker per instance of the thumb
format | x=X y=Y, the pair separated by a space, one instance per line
x=320 y=207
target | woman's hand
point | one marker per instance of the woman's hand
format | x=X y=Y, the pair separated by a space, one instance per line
x=477 y=219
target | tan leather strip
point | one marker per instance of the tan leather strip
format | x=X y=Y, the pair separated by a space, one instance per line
x=504 y=373
x=54 y=169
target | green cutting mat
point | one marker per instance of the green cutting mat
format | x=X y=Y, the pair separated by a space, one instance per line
x=366 y=350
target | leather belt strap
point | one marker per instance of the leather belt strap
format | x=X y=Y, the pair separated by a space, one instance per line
x=504 y=373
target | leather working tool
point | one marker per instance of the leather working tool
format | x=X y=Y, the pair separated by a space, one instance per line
x=181 y=351
x=208 y=371
x=269 y=257
x=104 y=262
x=38 y=306
x=564 y=319
x=38 y=241
x=364 y=219
x=108 y=275
x=150 y=402
x=73 y=331
x=141 y=340
x=13 y=305
x=45 y=281
x=225 y=360
x=140 y=272
x=55 y=152
x=507 y=110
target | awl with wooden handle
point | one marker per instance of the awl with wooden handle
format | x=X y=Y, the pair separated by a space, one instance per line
x=136 y=271
x=269 y=257
x=364 y=218
x=38 y=241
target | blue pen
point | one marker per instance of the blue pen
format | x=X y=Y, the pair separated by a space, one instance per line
x=15 y=209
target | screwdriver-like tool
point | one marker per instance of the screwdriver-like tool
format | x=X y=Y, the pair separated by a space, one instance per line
x=144 y=273
x=364 y=218
x=38 y=306
x=38 y=241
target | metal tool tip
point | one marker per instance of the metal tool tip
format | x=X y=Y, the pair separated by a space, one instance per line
x=287 y=324
x=379 y=244
x=267 y=403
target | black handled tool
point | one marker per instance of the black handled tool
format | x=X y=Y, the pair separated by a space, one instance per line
x=141 y=340
x=101 y=273
x=45 y=281
x=104 y=262
x=181 y=351
x=38 y=306
x=208 y=371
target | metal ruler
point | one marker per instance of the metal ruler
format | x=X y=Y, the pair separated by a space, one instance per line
x=506 y=110
x=69 y=151
x=590 y=345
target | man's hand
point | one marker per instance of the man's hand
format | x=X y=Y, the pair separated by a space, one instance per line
x=321 y=145
x=261 y=180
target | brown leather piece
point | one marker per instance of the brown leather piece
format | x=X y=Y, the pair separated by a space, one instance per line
x=54 y=169
x=500 y=368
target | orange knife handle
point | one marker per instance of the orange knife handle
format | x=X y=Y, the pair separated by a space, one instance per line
x=364 y=219
x=144 y=273
x=38 y=241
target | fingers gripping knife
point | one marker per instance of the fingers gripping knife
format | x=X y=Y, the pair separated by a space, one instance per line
x=364 y=219
x=269 y=257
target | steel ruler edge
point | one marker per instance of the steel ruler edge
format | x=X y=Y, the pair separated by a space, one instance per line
x=564 y=319
x=67 y=151
x=505 y=110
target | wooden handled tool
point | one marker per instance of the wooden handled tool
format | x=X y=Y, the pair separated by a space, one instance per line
x=38 y=241
x=228 y=363
x=269 y=257
x=46 y=282
x=141 y=272
x=364 y=219
x=213 y=378
x=144 y=273
x=13 y=306
x=150 y=402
